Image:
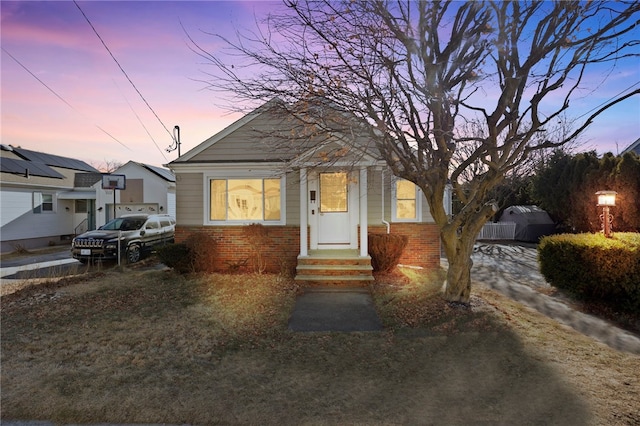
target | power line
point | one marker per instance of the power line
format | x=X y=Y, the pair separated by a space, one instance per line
x=60 y=97
x=139 y=120
x=123 y=71
x=608 y=100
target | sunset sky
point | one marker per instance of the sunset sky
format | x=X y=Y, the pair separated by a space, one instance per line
x=95 y=113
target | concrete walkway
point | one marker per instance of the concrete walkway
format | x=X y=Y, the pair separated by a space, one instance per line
x=513 y=271
x=335 y=309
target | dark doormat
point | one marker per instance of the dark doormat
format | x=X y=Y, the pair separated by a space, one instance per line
x=335 y=309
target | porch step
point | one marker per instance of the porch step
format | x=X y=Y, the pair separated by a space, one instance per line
x=334 y=267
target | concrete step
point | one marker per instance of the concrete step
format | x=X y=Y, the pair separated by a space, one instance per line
x=334 y=267
x=335 y=280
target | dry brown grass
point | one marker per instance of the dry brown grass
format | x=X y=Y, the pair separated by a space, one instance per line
x=157 y=347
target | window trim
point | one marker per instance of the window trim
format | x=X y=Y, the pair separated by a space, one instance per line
x=243 y=175
x=38 y=202
x=394 y=203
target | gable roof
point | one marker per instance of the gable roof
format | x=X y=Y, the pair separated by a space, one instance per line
x=280 y=133
x=27 y=168
x=53 y=160
x=233 y=127
x=165 y=174
x=160 y=172
x=634 y=147
x=24 y=162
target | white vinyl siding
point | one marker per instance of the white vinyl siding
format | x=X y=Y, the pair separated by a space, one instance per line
x=42 y=202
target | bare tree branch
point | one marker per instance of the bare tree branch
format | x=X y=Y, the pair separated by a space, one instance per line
x=420 y=74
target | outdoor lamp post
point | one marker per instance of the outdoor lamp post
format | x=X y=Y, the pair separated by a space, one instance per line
x=606 y=199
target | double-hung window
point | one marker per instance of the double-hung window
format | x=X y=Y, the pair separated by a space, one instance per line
x=406 y=202
x=42 y=202
x=245 y=200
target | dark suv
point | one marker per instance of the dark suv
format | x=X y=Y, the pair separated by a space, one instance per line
x=138 y=234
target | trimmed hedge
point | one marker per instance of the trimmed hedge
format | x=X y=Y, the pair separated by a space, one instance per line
x=385 y=250
x=592 y=267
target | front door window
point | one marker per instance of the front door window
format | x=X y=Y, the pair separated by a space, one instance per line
x=333 y=192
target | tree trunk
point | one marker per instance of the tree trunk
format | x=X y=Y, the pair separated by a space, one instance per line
x=458 y=250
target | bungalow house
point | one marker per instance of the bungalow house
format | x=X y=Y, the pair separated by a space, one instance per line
x=44 y=199
x=318 y=195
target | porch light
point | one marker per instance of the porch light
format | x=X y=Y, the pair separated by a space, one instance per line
x=606 y=199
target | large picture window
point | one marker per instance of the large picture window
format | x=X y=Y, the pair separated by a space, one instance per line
x=255 y=200
x=406 y=203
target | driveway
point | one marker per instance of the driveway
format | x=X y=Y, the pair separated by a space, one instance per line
x=513 y=270
x=36 y=266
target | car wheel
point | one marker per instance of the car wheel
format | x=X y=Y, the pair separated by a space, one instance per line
x=133 y=253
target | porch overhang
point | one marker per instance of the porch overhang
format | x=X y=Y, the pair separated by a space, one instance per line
x=77 y=195
x=360 y=219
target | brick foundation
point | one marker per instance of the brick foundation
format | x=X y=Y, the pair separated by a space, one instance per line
x=423 y=248
x=232 y=246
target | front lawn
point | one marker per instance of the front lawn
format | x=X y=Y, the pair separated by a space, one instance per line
x=157 y=347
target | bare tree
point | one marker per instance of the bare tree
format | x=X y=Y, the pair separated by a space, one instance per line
x=420 y=73
x=107 y=166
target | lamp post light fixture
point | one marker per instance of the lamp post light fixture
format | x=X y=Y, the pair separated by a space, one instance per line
x=606 y=199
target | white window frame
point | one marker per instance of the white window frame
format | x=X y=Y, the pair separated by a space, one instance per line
x=394 y=203
x=243 y=175
x=38 y=202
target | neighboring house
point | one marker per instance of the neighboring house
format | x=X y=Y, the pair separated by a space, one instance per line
x=44 y=199
x=634 y=147
x=317 y=201
x=149 y=189
x=47 y=199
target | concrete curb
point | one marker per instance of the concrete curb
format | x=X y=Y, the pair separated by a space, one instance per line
x=5 y=272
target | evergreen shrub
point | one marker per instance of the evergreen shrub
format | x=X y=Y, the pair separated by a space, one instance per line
x=385 y=250
x=593 y=267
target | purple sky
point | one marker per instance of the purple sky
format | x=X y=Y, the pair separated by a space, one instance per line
x=54 y=41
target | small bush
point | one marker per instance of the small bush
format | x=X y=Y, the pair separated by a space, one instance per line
x=258 y=238
x=176 y=256
x=593 y=267
x=385 y=250
x=202 y=251
x=196 y=254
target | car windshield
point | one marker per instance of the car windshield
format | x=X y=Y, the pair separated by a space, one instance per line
x=124 y=224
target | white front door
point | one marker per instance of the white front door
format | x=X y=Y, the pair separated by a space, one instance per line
x=334 y=214
x=333 y=209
